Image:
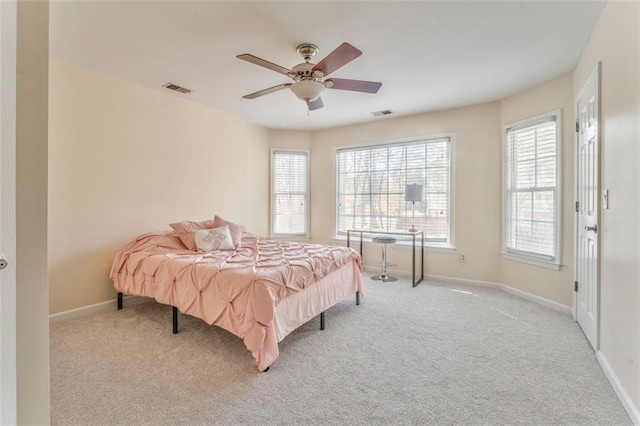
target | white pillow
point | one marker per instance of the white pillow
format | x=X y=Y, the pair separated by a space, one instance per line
x=214 y=239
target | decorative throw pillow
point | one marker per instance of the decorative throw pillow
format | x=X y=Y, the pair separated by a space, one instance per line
x=186 y=231
x=236 y=230
x=214 y=239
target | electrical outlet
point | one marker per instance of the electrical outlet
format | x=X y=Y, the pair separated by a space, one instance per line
x=463 y=257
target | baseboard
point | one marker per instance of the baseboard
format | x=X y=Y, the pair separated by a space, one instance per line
x=443 y=279
x=539 y=300
x=464 y=281
x=623 y=396
x=507 y=289
x=85 y=310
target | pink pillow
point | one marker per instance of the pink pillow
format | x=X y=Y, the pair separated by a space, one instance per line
x=186 y=231
x=236 y=230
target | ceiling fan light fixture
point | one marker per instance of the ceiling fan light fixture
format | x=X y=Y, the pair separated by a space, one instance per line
x=307 y=90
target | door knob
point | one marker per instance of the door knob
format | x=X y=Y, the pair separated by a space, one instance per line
x=593 y=228
x=3 y=262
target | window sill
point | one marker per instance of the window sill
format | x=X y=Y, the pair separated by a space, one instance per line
x=403 y=244
x=532 y=261
x=283 y=237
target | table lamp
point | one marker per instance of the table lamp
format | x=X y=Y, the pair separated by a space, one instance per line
x=413 y=193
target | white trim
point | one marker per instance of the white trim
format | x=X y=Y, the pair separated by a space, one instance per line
x=8 y=336
x=407 y=245
x=622 y=394
x=507 y=289
x=378 y=142
x=292 y=237
x=452 y=191
x=446 y=280
x=556 y=260
x=443 y=279
x=86 y=310
x=595 y=76
x=575 y=200
x=531 y=260
x=537 y=299
x=307 y=205
x=451 y=136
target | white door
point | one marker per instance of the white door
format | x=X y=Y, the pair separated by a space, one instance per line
x=8 y=407
x=588 y=206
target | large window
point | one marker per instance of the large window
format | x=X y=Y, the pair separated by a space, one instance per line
x=289 y=192
x=531 y=188
x=371 y=184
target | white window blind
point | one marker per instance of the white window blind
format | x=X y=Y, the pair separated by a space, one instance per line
x=371 y=187
x=531 y=188
x=289 y=192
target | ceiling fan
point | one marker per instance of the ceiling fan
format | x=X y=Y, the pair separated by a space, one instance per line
x=308 y=78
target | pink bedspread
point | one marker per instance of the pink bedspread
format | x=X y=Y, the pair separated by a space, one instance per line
x=236 y=290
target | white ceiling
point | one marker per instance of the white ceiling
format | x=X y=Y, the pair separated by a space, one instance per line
x=428 y=55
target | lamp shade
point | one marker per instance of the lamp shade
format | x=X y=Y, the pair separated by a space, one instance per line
x=307 y=90
x=413 y=192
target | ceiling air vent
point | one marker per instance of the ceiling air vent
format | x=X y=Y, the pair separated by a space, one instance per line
x=176 y=88
x=383 y=112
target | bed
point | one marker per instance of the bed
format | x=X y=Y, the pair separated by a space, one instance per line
x=261 y=291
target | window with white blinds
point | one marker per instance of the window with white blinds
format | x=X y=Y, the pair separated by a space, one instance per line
x=531 y=188
x=371 y=185
x=289 y=192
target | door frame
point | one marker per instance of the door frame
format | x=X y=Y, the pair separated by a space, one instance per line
x=8 y=61
x=596 y=75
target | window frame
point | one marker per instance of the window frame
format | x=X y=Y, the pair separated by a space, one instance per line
x=307 y=197
x=545 y=261
x=447 y=245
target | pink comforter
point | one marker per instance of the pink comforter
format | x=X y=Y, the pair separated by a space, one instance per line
x=236 y=290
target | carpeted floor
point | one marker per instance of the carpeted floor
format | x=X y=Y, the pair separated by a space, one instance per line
x=433 y=354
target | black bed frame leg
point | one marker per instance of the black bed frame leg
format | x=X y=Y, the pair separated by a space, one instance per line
x=322 y=320
x=357 y=297
x=175 y=320
x=119 y=300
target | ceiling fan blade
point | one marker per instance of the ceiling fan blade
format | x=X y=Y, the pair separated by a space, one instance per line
x=269 y=65
x=266 y=91
x=340 y=57
x=317 y=104
x=355 y=85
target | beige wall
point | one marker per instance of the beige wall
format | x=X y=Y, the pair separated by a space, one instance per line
x=476 y=181
x=32 y=321
x=478 y=186
x=290 y=139
x=125 y=160
x=547 y=283
x=615 y=43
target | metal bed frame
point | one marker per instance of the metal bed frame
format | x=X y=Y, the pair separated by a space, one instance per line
x=175 y=313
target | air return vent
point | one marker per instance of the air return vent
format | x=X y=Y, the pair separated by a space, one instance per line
x=383 y=112
x=176 y=88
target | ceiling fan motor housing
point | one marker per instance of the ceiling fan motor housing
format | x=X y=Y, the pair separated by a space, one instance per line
x=305 y=71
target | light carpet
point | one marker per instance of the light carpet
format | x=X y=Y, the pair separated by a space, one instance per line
x=434 y=354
